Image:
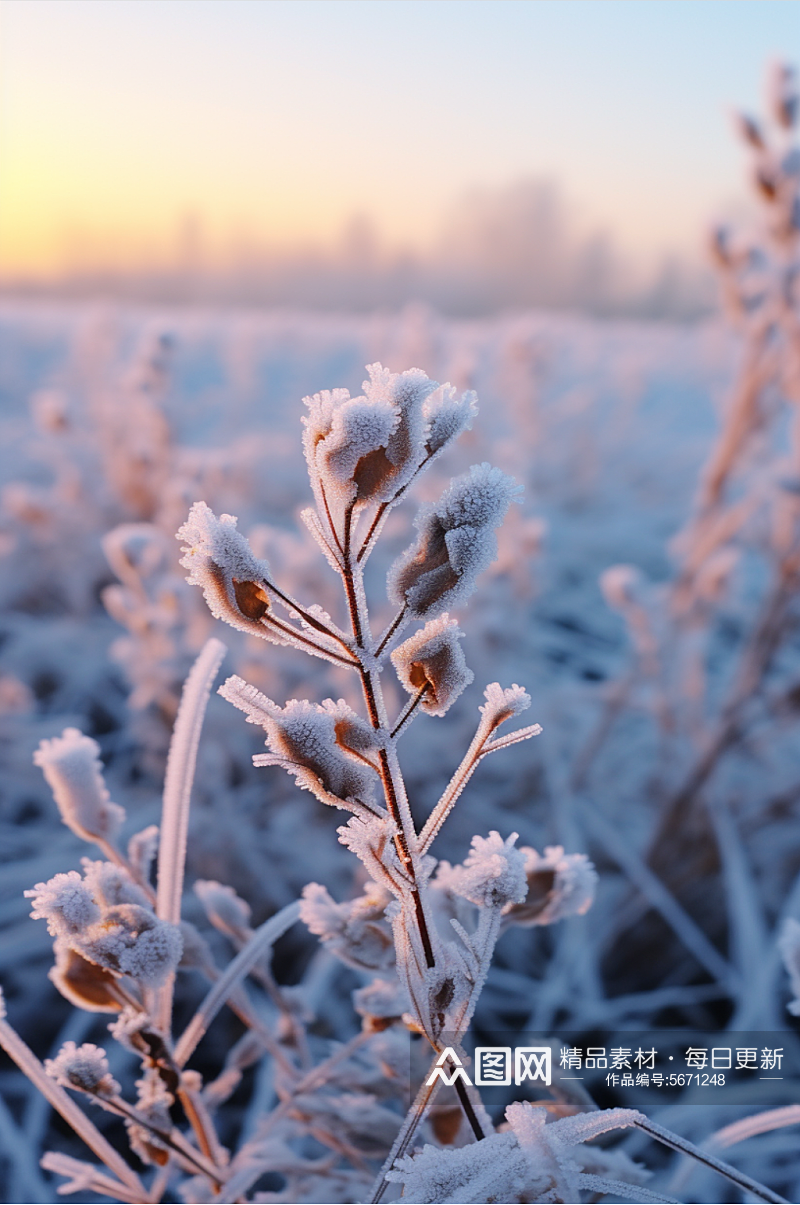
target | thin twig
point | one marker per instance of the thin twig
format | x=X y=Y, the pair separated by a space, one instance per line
x=63 y=1103
x=677 y=1143
x=409 y=709
x=263 y=937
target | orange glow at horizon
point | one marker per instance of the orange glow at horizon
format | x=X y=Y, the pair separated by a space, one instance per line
x=134 y=136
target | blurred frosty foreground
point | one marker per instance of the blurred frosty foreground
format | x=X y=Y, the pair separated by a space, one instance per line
x=645 y=591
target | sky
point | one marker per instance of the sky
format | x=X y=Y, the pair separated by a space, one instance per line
x=137 y=132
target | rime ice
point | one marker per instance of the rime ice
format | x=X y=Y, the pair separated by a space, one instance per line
x=433 y=659
x=71 y=765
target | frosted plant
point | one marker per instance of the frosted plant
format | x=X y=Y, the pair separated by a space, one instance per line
x=422 y=933
x=362 y=455
x=709 y=691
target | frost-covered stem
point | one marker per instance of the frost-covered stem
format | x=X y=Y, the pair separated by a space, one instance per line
x=398 y=622
x=389 y=767
x=414 y=1118
x=312 y=646
x=409 y=709
x=158 y=1185
x=173 y=1138
x=90 y=1177
x=177 y=796
x=382 y=513
x=469 y=1112
x=329 y=516
x=201 y=1124
x=74 y=1116
x=312 y=621
x=263 y=938
x=677 y=1143
x=755 y=662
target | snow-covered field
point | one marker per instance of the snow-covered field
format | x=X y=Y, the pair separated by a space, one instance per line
x=114 y=421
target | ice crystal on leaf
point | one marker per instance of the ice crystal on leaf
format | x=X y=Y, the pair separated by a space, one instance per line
x=221 y=562
x=448 y=416
x=503 y=703
x=491 y=876
x=65 y=903
x=558 y=885
x=83 y=1067
x=357 y=932
x=366 y=449
x=105 y=919
x=71 y=765
x=324 y=746
x=432 y=659
x=534 y=1160
x=227 y=911
x=456 y=542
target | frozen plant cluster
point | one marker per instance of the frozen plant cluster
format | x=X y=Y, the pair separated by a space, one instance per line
x=119 y=941
x=664 y=669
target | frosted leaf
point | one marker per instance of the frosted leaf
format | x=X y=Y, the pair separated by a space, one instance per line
x=558 y=885
x=71 y=766
x=448 y=415
x=131 y=940
x=492 y=875
x=65 y=903
x=434 y=658
x=83 y=983
x=82 y=1067
x=789 y=946
x=456 y=542
x=354 y=453
x=365 y=449
x=503 y=703
x=318 y=422
x=110 y=884
x=370 y=839
x=221 y=562
x=493 y=1169
x=408 y=392
x=382 y=1000
x=128 y=1027
x=308 y=741
x=531 y=1126
x=227 y=911
x=357 y=931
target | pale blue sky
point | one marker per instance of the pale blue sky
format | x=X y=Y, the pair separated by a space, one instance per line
x=279 y=118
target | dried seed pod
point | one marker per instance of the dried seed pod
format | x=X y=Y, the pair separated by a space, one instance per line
x=221 y=562
x=558 y=885
x=456 y=543
x=433 y=658
x=83 y=983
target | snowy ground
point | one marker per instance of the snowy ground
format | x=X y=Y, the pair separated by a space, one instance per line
x=606 y=424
